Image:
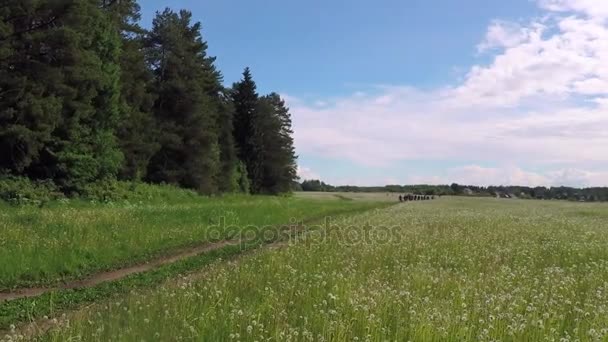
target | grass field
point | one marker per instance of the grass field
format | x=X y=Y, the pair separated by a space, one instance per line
x=350 y=196
x=452 y=269
x=60 y=242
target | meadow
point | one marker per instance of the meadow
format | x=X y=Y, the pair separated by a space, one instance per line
x=63 y=241
x=349 y=196
x=453 y=269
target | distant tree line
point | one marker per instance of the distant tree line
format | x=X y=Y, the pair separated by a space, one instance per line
x=317 y=185
x=594 y=194
x=597 y=194
x=87 y=95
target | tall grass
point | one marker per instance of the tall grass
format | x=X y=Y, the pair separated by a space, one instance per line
x=449 y=270
x=64 y=241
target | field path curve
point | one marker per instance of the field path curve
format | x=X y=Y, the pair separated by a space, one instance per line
x=116 y=274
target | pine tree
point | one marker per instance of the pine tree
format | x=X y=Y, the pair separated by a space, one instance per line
x=187 y=89
x=59 y=91
x=124 y=13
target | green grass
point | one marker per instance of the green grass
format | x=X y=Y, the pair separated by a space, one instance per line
x=452 y=269
x=58 y=242
x=51 y=303
x=355 y=196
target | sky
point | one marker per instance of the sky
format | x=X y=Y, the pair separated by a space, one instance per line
x=483 y=92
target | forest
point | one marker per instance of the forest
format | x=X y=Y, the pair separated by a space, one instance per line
x=90 y=100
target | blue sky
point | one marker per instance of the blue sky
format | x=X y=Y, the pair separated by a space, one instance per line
x=327 y=48
x=433 y=91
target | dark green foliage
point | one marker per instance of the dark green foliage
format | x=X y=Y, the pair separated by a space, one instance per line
x=263 y=136
x=60 y=85
x=117 y=191
x=137 y=132
x=316 y=185
x=125 y=14
x=246 y=100
x=241 y=178
x=22 y=190
x=85 y=143
x=187 y=104
x=88 y=96
x=275 y=143
x=228 y=176
x=29 y=111
x=296 y=186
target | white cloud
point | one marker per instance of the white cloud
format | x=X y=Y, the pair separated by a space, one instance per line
x=420 y=126
x=487 y=176
x=478 y=175
x=592 y=8
x=543 y=99
x=512 y=175
x=306 y=173
x=556 y=66
x=577 y=177
x=505 y=34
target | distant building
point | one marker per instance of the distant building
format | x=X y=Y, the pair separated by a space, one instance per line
x=467 y=191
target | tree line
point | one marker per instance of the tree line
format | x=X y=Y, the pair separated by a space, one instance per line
x=87 y=94
x=318 y=185
x=595 y=194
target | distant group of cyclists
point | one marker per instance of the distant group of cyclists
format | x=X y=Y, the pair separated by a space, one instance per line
x=411 y=197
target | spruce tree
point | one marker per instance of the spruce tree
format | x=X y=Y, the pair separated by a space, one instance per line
x=245 y=100
x=186 y=86
x=228 y=176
